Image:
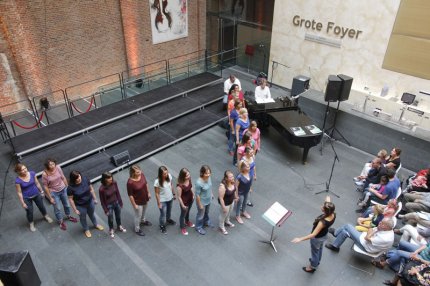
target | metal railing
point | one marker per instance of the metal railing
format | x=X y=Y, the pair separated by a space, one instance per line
x=105 y=90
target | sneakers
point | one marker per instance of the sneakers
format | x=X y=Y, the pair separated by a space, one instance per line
x=32 y=227
x=332 y=247
x=99 y=227
x=121 y=229
x=331 y=230
x=201 y=231
x=250 y=204
x=356 y=179
x=48 y=219
x=246 y=215
x=229 y=224
x=184 y=231
x=63 y=225
x=112 y=233
x=361 y=204
x=163 y=229
x=359 y=183
x=171 y=221
x=87 y=233
x=72 y=219
x=146 y=223
x=140 y=232
x=239 y=219
x=189 y=224
x=223 y=230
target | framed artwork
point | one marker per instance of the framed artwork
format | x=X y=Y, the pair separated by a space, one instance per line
x=169 y=20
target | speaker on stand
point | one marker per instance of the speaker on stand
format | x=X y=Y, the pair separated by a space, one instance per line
x=338 y=89
x=17 y=268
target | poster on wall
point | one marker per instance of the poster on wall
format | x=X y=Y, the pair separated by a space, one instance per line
x=169 y=20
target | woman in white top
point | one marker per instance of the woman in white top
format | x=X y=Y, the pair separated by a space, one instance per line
x=262 y=92
x=165 y=195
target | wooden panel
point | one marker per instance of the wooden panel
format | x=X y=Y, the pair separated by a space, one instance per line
x=413 y=19
x=407 y=51
x=408 y=55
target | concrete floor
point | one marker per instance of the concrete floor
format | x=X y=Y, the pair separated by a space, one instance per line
x=68 y=258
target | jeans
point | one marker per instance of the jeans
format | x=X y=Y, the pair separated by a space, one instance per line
x=241 y=204
x=231 y=140
x=38 y=200
x=224 y=217
x=165 y=212
x=398 y=256
x=347 y=231
x=61 y=197
x=316 y=251
x=114 y=208
x=84 y=210
x=202 y=217
x=185 y=215
x=139 y=216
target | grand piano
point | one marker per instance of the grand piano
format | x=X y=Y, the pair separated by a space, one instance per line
x=286 y=117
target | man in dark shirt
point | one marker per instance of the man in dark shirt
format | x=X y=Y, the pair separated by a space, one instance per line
x=375 y=173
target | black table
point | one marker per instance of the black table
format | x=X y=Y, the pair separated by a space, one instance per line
x=285 y=121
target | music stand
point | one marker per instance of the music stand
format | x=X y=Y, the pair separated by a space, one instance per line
x=276 y=215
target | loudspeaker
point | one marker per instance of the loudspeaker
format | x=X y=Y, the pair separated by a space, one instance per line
x=408 y=98
x=17 y=268
x=346 y=87
x=1 y=119
x=332 y=91
x=300 y=85
x=121 y=158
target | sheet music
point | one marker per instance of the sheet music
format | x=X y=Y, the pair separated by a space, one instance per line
x=313 y=129
x=275 y=214
x=298 y=131
x=264 y=100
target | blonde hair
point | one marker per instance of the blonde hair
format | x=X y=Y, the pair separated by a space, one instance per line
x=133 y=170
x=243 y=110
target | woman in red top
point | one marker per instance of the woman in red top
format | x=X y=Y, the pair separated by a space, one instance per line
x=111 y=201
x=185 y=191
x=137 y=190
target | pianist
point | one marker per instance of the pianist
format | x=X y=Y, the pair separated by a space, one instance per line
x=262 y=92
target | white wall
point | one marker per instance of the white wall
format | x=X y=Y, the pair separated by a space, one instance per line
x=359 y=58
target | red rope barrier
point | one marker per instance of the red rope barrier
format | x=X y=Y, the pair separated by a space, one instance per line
x=88 y=109
x=26 y=127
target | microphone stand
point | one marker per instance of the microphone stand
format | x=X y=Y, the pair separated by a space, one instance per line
x=327 y=184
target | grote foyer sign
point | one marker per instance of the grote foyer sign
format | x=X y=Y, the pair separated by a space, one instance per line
x=330 y=28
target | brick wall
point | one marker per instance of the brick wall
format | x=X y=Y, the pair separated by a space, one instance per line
x=51 y=45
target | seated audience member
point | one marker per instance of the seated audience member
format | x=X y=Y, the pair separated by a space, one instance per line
x=419 y=182
x=394 y=160
x=227 y=85
x=413 y=273
x=375 y=187
x=374 y=175
x=415 y=218
x=415 y=202
x=405 y=251
x=374 y=240
x=363 y=224
x=390 y=190
x=412 y=234
x=382 y=154
x=262 y=92
x=389 y=210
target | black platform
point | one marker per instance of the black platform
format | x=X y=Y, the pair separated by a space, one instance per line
x=142 y=131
